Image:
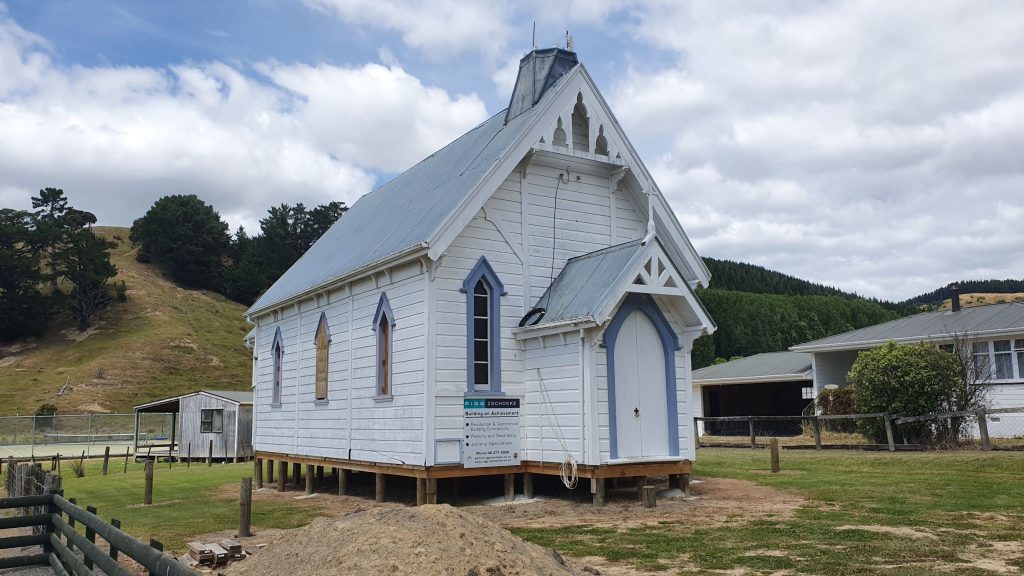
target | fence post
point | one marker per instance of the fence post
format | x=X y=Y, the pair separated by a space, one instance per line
x=245 y=508
x=148 y=498
x=888 y=432
x=753 y=439
x=33 y=435
x=156 y=545
x=696 y=435
x=106 y=459
x=90 y=535
x=52 y=508
x=817 y=432
x=113 y=549
x=983 y=430
x=126 y=449
x=88 y=432
x=71 y=522
x=774 y=446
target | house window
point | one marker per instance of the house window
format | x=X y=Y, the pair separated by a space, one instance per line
x=1018 y=347
x=982 y=366
x=211 y=421
x=277 y=350
x=481 y=336
x=483 y=328
x=384 y=325
x=1003 y=360
x=807 y=393
x=947 y=348
x=323 y=348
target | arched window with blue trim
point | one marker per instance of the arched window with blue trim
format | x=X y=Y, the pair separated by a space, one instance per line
x=277 y=354
x=483 y=291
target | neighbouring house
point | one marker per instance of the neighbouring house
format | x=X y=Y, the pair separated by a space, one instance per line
x=995 y=333
x=768 y=384
x=520 y=299
x=215 y=423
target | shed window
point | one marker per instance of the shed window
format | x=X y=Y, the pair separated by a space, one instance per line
x=277 y=349
x=211 y=421
x=483 y=328
x=323 y=349
x=384 y=325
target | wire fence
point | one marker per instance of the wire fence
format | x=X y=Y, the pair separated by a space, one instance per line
x=88 y=432
x=995 y=429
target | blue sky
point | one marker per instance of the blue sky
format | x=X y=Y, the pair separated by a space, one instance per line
x=872 y=146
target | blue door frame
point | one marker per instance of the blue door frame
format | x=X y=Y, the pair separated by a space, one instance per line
x=670 y=343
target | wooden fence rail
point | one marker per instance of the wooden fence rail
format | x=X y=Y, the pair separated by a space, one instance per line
x=59 y=538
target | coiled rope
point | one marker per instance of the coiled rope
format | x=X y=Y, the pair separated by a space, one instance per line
x=567 y=471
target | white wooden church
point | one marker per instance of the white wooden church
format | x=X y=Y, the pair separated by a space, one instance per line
x=519 y=302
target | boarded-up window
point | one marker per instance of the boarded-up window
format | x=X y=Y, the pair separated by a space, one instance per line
x=383 y=325
x=323 y=346
x=211 y=421
x=277 y=349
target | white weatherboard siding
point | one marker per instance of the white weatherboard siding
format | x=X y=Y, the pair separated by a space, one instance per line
x=553 y=402
x=1006 y=425
x=831 y=368
x=582 y=224
x=381 y=430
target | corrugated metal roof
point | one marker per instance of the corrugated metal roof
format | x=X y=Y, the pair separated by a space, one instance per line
x=404 y=213
x=239 y=397
x=767 y=366
x=973 y=321
x=586 y=282
x=173 y=403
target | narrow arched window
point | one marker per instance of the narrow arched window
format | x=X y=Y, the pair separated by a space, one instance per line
x=483 y=328
x=323 y=349
x=277 y=353
x=384 y=325
x=481 y=335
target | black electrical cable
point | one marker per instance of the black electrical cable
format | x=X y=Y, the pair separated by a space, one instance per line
x=554 y=211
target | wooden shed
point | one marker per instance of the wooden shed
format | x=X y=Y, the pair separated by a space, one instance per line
x=215 y=423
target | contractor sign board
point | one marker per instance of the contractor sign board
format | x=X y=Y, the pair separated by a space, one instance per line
x=491 y=432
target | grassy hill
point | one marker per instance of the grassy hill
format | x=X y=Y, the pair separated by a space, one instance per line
x=163 y=341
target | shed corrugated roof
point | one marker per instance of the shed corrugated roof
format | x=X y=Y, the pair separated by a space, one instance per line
x=973 y=321
x=403 y=213
x=234 y=396
x=586 y=282
x=767 y=366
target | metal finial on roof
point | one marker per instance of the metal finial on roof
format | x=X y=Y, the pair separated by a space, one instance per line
x=568 y=42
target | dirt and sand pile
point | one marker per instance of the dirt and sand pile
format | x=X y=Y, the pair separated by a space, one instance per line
x=403 y=541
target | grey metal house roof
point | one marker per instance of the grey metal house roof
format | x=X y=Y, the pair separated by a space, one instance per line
x=403 y=214
x=978 y=321
x=587 y=281
x=767 y=367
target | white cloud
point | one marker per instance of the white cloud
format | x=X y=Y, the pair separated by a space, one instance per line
x=872 y=146
x=118 y=138
x=437 y=28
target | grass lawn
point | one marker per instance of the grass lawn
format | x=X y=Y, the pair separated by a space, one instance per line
x=951 y=512
x=185 y=500
x=965 y=511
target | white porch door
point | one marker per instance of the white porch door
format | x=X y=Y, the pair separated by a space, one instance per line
x=641 y=414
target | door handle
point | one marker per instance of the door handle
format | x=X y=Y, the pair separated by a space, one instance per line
x=636 y=412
